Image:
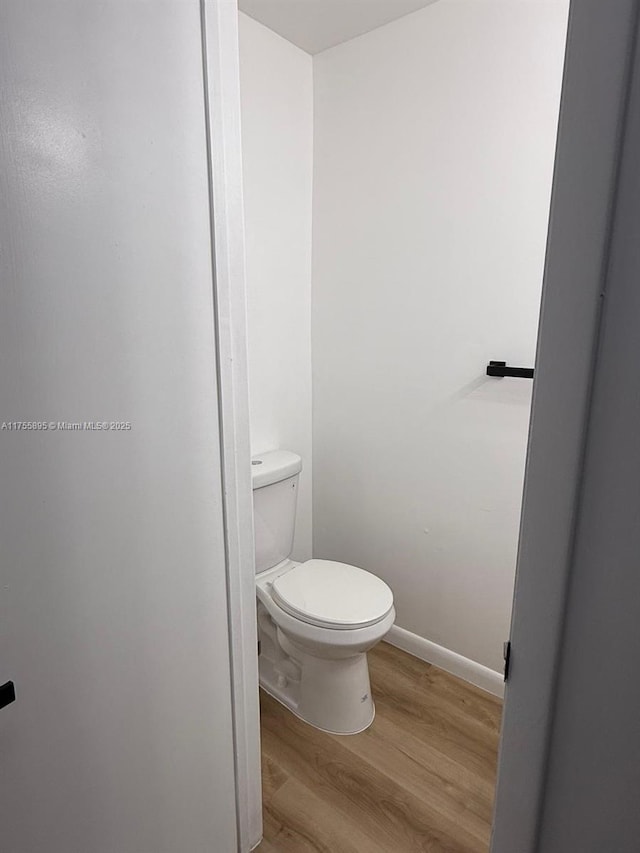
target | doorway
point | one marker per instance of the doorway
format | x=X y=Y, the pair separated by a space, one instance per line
x=397 y=190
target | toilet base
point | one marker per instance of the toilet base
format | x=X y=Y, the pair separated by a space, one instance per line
x=331 y=695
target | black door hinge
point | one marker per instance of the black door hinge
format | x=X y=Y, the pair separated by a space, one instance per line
x=507 y=658
x=7 y=694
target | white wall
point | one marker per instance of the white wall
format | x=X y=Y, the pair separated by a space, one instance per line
x=113 y=617
x=277 y=139
x=434 y=144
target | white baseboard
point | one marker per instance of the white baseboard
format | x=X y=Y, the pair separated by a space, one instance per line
x=475 y=673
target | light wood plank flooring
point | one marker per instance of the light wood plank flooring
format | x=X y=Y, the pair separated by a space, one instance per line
x=421 y=778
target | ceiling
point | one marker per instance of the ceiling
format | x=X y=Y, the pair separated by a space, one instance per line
x=315 y=25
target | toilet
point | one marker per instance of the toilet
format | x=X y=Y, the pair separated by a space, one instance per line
x=317 y=619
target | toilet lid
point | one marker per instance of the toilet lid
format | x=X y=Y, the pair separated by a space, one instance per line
x=334 y=594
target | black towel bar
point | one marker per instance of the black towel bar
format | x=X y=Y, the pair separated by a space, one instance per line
x=500 y=369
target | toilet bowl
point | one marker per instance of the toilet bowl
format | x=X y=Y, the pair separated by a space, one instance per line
x=316 y=619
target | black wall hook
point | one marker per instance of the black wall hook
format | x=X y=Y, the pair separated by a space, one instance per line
x=500 y=369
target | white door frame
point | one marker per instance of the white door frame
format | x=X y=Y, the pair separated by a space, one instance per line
x=222 y=103
x=600 y=42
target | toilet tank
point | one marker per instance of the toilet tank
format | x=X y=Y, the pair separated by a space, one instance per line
x=274 y=477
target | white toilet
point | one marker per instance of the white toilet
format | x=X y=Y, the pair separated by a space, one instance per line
x=316 y=620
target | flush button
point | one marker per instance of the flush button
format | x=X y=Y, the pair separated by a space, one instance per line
x=256 y=461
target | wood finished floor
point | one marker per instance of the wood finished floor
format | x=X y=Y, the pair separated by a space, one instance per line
x=421 y=778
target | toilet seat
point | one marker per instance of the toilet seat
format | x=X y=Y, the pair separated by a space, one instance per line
x=332 y=595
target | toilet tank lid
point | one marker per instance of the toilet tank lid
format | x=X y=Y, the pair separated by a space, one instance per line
x=274 y=466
